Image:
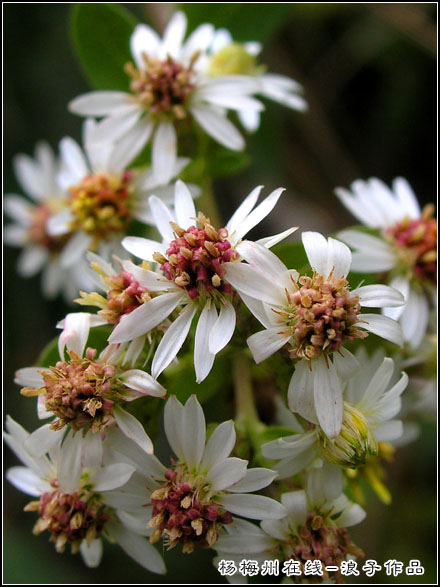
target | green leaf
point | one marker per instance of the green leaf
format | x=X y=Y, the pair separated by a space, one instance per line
x=293 y=255
x=246 y=22
x=224 y=163
x=97 y=340
x=101 y=35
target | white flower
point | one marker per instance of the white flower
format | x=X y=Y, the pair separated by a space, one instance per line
x=227 y=57
x=406 y=247
x=192 y=257
x=371 y=403
x=314 y=528
x=85 y=392
x=41 y=250
x=194 y=498
x=102 y=195
x=315 y=316
x=72 y=483
x=168 y=84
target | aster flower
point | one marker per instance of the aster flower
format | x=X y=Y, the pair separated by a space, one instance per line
x=316 y=316
x=315 y=528
x=71 y=483
x=102 y=195
x=196 y=497
x=168 y=85
x=227 y=57
x=86 y=391
x=406 y=248
x=42 y=251
x=192 y=257
x=370 y=404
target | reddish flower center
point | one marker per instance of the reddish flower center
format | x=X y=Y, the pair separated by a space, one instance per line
x=101 y=204
x=124 y=296
x=69 y=517
x=37 y=231
x=416 y=245
x=321 y=315
x=163 y=86
x=184 y=514
x=195 y=259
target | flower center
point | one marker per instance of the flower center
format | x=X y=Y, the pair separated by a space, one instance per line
x=195 y=259
x=234 y=60
x=69 y=517
x=415 y=241
x=321 y=316
x=354 y=443
x=37 y=231
x=184 y=513
x=80 y=392
x=163 y=86
x=320 y=539
x=123 y=296
x=101 y=204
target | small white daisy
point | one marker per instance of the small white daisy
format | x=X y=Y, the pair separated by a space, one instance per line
x=72 y=484
x=102 y=196
x=316 y=316
x=227 y=57
x=168 y=85
x=370 y=405
x=195 y=498
x=406 y=248
x=192 y=257
x=86 y=391
x=42 y=251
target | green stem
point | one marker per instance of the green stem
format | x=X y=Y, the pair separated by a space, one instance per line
x=246 y=413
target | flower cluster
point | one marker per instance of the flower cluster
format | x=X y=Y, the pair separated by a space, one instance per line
x=192 y=295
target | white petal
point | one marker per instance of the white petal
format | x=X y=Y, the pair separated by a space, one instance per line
x=173 y=420
x=129 y=146
x=198 y=40
x=91 y=553
x=295 y=503
x=407 y=198
x=133 y=429
x=352 y=514
x=203 y=358
x=32 y=260
x=18 y=209
x=99 y=103
x=372 y=254
x=144 y=40
x=59 y=223
x=388 y=431
x=265 y=343
x=255 y=507
x=231 y=102
x=69 y=467
x=218 y=127
x=245 y=279
x=29 y=176
x=300 y=392
x=220 y=444
x=184 y=206
x=111 y=476
x=290 y=466
x=250 y=119
x=316 y=247
x=42 y=440
x=74 y=250
x=164 y=152
x=118 y=124
x=143 y=382
x=377 y=296
x=414 y=319
x=193 y=432
x=174 y=35
x=236 y=543
x=162 y=218
x=173 y=340
x=223 y=328
x=290 y=446
x=402 y=284
x=327 y=393
x=346 y=364
x=226 y=472
x=243 y=210
x=257 y=215
x=145 y=318
x=75 y=333
x=142 y=247
x=271 y=241
x=325 y=483
x=148 y=279
x=261 y=259
x=339 y=258
x=382 y=326
x=73 y=158
x=139 y=549
x=15 y=236
x=29 y=377
x=27 y=481
x=254 y=480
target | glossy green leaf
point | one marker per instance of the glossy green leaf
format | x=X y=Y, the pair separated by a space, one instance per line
x=101 y=34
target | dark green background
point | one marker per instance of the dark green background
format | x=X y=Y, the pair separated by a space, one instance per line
x=369 y=74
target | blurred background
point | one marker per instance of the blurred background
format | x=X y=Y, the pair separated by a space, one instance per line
x=369 y=76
